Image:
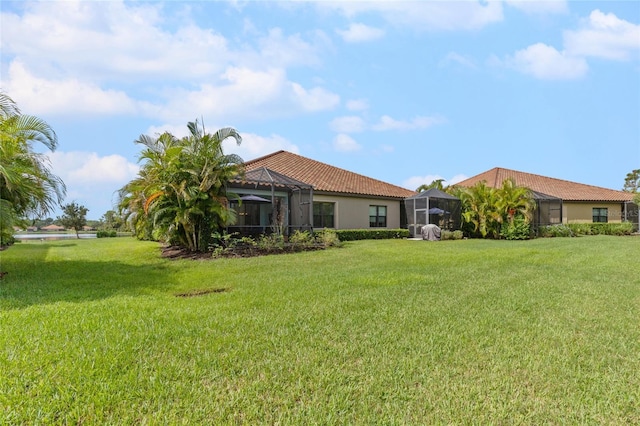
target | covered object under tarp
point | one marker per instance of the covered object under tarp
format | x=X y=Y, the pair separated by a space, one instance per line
x=433 y=207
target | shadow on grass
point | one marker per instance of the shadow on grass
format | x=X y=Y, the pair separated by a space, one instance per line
x=31 y=279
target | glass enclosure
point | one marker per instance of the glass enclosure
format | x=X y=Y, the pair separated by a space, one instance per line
x=432 y=207
x=548 y=210
x=270 y=202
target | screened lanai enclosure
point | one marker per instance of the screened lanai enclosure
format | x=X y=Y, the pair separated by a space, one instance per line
x=548 y=210
x=433 y=207
x=270 y=202
x=630 y=214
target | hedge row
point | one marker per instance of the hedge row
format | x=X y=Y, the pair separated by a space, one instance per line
x=106 y=234
x=371 y=234
x=579 y=229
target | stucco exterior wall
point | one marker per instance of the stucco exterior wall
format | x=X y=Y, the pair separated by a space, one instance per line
x=582 y=212
x=353 y=213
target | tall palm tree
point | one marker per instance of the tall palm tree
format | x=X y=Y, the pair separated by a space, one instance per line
x=479 y=209
x=27 y=185
x=180 y=192
x=514 y=201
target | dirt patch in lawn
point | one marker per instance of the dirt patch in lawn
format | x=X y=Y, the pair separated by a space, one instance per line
x=202 y=292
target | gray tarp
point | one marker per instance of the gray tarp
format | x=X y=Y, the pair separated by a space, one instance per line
x=430 y=232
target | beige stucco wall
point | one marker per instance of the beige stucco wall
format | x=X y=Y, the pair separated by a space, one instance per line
x=353 y=213
x=581 y=212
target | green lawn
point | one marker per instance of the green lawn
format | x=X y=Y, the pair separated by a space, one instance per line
x=376 y=332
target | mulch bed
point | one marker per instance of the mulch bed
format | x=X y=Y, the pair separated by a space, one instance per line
x=175 y=252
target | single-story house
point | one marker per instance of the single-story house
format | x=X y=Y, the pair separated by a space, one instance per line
x=52 y=228
x=289 y=191
x=562 y=201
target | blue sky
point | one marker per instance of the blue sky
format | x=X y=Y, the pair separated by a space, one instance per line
x=404 y=92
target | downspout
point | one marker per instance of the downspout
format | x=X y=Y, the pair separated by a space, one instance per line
x=310 y=208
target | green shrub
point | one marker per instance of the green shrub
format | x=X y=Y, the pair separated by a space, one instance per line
x=518 y=229
x=271 y=242
x=579 y=229
x=551 y=231
x=303 y=238
x=327 y=237
x=226 y=245
x=106 y=234
x=619 y=229
x=371 y=234
x=451 y=235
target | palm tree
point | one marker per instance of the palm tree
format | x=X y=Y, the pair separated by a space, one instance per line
x=487 y=210
x=437 y=184
x=514 y=201
x=158 y=156
x=27 y=186
x=479 y=209
x=180 y=193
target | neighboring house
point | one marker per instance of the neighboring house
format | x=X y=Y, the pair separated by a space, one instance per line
x=565 y=201
x=302 y=193
x=54 y=228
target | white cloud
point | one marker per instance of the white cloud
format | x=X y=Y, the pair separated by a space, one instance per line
x=65 y=96
x=254 y=146
x=545 y=62
x=177 y=130
x=540 y=6
x=314 y=99
x=456 y=178
x=347 y=124
x=415 y=181
x=421 y=122
x=103 y=57
x=456 y=58
x=357 y=105
x=426 y=15
x=604 y=36
x=92 y=180
x=78 y=168
x=279 y=50
x=345 y=143
x=110 y=40
x=357 y=33
x=247 y=93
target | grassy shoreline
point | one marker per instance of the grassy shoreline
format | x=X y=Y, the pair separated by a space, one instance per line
x=391 y=332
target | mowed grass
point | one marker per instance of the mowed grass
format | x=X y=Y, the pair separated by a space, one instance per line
x=377 y=332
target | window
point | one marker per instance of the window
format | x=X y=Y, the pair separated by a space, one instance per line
x=600 y=214
x=323 y=215
x=248 y=213
x=378 y=216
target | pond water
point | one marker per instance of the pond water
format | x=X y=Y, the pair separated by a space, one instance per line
x=50 y=236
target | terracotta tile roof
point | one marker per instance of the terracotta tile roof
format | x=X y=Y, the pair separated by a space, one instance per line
x=326 y=178
x=564 y=189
